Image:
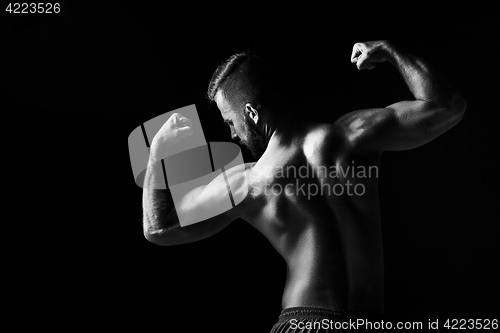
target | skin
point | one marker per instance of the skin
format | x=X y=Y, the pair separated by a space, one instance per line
x=331 y=243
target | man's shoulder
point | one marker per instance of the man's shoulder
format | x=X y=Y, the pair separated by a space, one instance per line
x=325 y=143
x=322 y=136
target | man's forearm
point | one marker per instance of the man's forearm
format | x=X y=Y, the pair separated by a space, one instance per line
x=424 y=82
x=157 y=203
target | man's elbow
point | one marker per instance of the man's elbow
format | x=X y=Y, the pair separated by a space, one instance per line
x=457 y=108
x=152 y=235
x=449 y=114
x=157 y=238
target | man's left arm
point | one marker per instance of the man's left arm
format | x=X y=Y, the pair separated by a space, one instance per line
x=437 y=107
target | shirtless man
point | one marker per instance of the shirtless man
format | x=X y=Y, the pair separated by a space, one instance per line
x=331 y=240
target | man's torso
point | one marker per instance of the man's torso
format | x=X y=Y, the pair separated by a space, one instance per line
x=316 y=201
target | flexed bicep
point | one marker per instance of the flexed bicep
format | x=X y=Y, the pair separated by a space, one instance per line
x=407 y=124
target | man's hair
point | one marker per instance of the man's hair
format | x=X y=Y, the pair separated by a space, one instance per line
x=245 y=77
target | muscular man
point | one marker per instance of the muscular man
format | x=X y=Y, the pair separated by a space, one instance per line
x=326 y=223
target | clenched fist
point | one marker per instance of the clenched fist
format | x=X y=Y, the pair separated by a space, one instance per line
x=368 y=54
x=174 y=129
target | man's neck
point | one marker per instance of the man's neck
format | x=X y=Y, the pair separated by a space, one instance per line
x=282 y=132
x=282 y=124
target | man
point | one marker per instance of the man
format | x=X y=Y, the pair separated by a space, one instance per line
x=326 y=223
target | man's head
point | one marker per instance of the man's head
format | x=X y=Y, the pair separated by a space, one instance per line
x=248 y=94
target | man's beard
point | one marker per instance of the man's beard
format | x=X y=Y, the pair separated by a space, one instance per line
x=255 y=142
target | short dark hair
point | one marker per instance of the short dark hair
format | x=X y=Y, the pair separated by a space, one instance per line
x=246 y=75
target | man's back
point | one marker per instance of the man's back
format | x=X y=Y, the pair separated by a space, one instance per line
x=317 y=203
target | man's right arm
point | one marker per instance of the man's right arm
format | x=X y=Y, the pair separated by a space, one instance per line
x=160 y=221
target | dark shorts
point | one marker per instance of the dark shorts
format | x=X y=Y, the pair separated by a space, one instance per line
x=311 y=320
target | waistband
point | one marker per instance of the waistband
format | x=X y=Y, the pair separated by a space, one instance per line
x=320 y=313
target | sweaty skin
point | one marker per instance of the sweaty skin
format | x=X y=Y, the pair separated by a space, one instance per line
x=303 y=196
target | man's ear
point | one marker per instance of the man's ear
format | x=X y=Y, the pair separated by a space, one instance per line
x=252 y=112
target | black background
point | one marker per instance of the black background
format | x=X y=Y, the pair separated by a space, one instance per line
x=80 y=81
